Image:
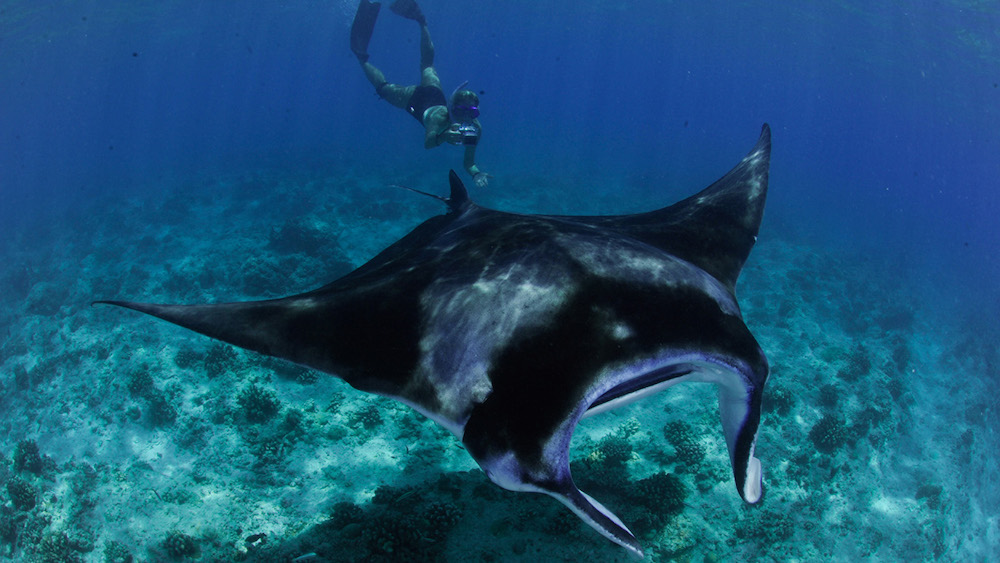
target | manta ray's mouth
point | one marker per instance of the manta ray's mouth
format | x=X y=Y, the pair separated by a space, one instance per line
x=634 y=387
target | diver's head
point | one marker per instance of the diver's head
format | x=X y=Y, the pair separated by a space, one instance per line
x=464 y=106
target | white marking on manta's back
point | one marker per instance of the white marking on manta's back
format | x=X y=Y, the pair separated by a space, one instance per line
x=466 y=324
x=631 y=260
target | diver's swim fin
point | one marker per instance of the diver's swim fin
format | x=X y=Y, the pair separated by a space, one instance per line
x=362 y=28
x=409 y=10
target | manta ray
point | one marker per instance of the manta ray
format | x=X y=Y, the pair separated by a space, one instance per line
x=507 y=328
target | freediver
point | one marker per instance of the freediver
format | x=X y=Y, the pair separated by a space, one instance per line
x=456 y=123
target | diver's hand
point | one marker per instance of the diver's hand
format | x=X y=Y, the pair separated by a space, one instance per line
x=482 y=179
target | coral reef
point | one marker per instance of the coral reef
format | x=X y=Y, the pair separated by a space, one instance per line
x=661 y=493
x=22 y=494
x=390 y=537
x=140 y=383
x=650 y=503
x=180 y=545
x=8 y=526
x=369 y=417
x=344 y=513
x=291 y=372
x=26 y=457
x=615 y=449
x=115 y=552
x=898 y=318
x=686 y=447
x=766 y=527
x=901 y=353
x=859 y=364
x=161 y=412
x=220 y=359
x=829 y=434
x=778 y=400
x=402 y=524
x=55 y=547
x=257 y=403
x=829 y=396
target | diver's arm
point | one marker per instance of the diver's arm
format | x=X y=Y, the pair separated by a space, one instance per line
x=436 y=127
x=431 y=137
x=482 y=179
x=470 y=161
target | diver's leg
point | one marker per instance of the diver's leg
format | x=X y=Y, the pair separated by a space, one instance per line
x=395 y=94
x=426 y=48
x=428 y=76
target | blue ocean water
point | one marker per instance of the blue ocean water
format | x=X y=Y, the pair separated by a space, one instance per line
x=186 y=151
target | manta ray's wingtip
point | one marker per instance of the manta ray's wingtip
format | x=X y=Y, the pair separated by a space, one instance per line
x=765 y=137
x=134 y=305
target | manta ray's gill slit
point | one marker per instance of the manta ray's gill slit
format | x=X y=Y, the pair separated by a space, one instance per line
x=635 y=385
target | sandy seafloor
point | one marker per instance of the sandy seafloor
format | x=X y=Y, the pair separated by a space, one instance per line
x=156 y=444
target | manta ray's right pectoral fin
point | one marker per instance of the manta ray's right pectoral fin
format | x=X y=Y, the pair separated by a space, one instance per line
x=596 y=516
x=552 y=477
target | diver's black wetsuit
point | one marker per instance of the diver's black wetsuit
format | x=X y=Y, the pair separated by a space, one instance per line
x=424 y=97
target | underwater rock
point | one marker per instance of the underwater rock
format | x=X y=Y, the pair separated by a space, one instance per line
x=677 y=538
